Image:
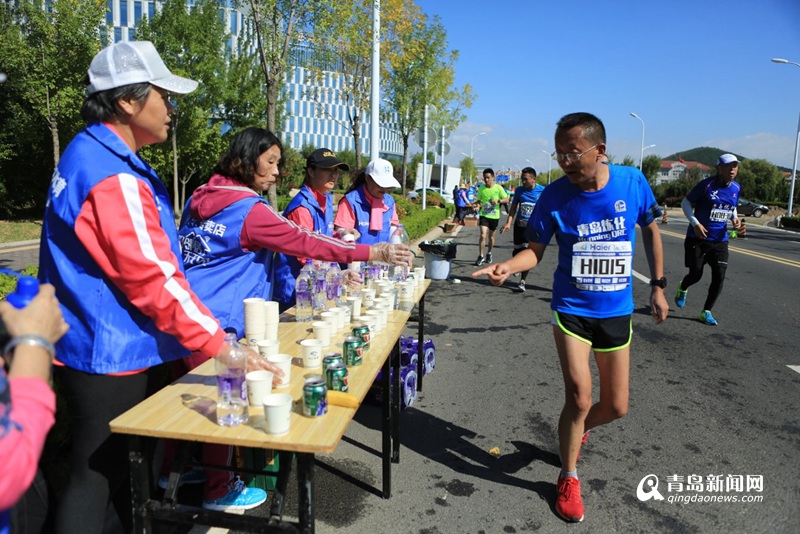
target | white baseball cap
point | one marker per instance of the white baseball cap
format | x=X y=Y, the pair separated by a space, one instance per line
x=382 y=172
x=129 y=62
x=727 y=158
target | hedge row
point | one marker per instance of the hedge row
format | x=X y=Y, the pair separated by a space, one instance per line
x=790 y=222
x=420 y=222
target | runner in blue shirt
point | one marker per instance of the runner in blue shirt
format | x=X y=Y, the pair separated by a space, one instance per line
x=522 y=204
x=709 y=206
x=592 y=213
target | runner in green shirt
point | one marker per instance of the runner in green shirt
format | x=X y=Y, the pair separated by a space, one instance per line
x=488 y=202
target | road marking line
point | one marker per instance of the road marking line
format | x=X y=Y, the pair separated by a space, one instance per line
x=760 y=255
x=18 y=249
x=794 y=367
x=641 y=277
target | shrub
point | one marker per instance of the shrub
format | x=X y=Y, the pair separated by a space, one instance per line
x=404 y=206
x=8 y=283
x=419 y=223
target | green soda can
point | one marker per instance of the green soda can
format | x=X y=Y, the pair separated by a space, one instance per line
x=315 y=397
x=330 y=359
x=362 y=331
x=353 y=347
x=336 y=377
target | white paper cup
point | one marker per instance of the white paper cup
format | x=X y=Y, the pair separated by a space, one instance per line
x=355 y=306
x=341 y=317
x=271 y=331
x=419 y=275
x=370 y=322
x=271 y=314
x=312 y=353
x=375 y=315
x=405 y=291
x=284 y=363
x=331 y=317
x=268 y=347
x=385 y=310
x=253 y=336
x=368 y=297
x=277 y=412
x=322 y=331
x=259 y=385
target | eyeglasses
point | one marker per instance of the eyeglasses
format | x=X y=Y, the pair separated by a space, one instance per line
x=573 y=158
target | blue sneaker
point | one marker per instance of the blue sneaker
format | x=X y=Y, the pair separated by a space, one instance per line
x=707 y=318
x=240 y=497
x=195 y=475
x=680 y=296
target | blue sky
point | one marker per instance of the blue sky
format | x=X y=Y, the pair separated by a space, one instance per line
x=698 y=73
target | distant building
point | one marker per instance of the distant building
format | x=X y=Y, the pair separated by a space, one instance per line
x=306 y=121
x=673 y=170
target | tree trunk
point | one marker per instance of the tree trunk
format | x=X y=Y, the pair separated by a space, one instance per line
x=53 y=125
x=176 y=205
x=357 y=138
x=405 y=164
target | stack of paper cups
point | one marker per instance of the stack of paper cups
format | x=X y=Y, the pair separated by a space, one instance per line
x=271 y=319
x=254 y=320
x=385 y=310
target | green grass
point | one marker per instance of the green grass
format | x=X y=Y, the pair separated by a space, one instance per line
x=23 y=230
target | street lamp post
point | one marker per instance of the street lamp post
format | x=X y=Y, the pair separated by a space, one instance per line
x=472 y=145
x=549 y=163
x=641 y=155
x=796 y=144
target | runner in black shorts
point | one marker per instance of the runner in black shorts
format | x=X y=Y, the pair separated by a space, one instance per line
x=522 y=205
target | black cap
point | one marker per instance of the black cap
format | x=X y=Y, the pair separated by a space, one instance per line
x=325 y=159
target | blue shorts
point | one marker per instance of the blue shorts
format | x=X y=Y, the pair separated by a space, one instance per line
x=604 y=335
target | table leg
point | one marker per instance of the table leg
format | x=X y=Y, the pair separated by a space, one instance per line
x=386 y=421
x=305 y=489
x=395 y=357
x=420 y=349
x=278 y=496
x=140 y=485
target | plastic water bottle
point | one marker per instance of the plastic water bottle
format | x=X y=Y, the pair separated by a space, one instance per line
x=231 y=365
x=27 y=289
x=399 y=237
x=303 y=290
x=333 y=285
x=320 y=294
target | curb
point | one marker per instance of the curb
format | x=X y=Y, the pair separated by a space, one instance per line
x=19 y=244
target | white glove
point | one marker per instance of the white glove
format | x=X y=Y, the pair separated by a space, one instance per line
x=392 y=254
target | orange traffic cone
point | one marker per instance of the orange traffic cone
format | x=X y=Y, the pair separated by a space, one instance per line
x=742 y=230
x=664 y=216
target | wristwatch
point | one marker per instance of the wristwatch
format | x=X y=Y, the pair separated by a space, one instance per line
x=661 y=282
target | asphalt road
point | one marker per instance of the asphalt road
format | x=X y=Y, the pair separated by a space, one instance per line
x=716 y=403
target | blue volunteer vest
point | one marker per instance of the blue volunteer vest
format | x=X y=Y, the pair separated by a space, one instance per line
x=107 y=333
x=220 y=271
x=362 y=210
x=287 y=268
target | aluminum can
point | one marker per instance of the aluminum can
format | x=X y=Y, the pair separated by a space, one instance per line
x=352 y=350
x=336 y=377
x=331 y=358
x=315 y=396
x=362 y=331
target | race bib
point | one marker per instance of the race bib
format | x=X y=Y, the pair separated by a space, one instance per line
x=525 y=210
x=488 y=208
x=602 y=265
x=720 y=215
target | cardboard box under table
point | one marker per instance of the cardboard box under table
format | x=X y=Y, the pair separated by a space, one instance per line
x=186 y=410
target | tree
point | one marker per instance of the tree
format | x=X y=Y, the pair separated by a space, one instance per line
x=46 y=52
x=651 y=166
x=762 y=181
x=278 y=25
x=193 y=44
x=469 y=171
x=628 y=162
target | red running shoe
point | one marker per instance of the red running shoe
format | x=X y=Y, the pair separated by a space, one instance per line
x=583 y=442
x=569 y=503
